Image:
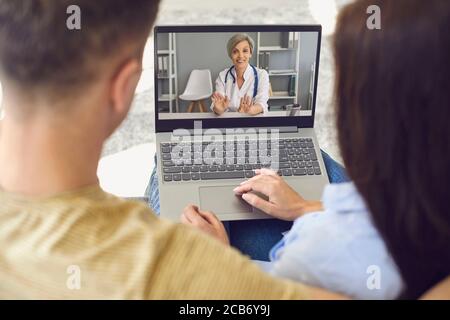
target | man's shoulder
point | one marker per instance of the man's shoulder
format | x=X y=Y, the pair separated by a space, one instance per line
x=262 y=72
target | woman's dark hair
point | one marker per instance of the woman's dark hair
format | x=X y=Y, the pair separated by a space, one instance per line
x=393 y=121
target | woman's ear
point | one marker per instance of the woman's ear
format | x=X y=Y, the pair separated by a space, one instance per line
x=123 y=88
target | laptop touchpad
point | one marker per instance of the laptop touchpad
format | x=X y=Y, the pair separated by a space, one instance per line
x=222 y=200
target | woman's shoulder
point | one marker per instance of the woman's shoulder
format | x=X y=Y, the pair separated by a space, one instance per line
x=263 y=75
x=262 y=72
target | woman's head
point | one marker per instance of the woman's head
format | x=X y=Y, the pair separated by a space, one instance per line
x=393 y=114
x=240 y=49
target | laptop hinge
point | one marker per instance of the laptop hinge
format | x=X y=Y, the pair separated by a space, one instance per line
x=287 y=129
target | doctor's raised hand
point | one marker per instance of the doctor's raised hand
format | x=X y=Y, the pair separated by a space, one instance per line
x=283 y=202
x=246 y=106
x=220 y=103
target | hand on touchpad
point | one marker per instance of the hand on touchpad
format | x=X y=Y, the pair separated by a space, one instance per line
x=259 y=194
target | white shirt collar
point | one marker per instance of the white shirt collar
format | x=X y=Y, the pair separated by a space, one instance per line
x=247 y=70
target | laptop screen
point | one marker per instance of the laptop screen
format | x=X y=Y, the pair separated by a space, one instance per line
x=238 y=74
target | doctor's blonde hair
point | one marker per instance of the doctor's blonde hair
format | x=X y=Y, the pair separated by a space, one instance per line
x=237 y=38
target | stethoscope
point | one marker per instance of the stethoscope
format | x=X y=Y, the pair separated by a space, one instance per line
x=255 y=74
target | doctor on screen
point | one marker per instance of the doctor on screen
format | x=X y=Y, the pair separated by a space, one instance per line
x=242 y=87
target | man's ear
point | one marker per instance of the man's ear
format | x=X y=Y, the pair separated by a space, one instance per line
x=123 y=87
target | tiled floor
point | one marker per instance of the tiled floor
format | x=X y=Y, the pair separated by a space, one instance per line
x=138 y=127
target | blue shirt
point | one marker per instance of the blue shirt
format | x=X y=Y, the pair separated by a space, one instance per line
x=338 y=249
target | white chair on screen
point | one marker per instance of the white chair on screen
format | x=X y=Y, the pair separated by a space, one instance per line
x=198 y=88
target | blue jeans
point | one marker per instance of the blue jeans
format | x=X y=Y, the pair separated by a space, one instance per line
x=254 y=238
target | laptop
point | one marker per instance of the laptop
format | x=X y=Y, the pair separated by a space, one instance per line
x=202 y=154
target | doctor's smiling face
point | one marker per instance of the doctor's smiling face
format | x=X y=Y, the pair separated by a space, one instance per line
x=241 y=55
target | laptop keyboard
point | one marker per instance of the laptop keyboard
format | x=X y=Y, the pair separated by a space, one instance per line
x=185 y=161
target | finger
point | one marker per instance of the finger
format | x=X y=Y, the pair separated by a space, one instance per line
x=258 y=202
x=268 y=172
x=217 y=225
x=184 y=219
x=192 y=215
x=196 y=219
x=247 y=106
x=262 y=184
x=240 y=190
x=190 y=207
x=210 y=217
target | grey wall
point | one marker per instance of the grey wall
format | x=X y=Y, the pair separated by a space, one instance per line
x=208 y=51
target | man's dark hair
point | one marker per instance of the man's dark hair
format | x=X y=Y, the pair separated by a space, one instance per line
x=37 y=49
x=393 y=113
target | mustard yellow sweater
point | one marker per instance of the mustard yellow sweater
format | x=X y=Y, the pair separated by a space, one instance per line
x=88 y=244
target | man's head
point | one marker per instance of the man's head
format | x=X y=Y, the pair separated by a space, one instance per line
x=43 y=61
